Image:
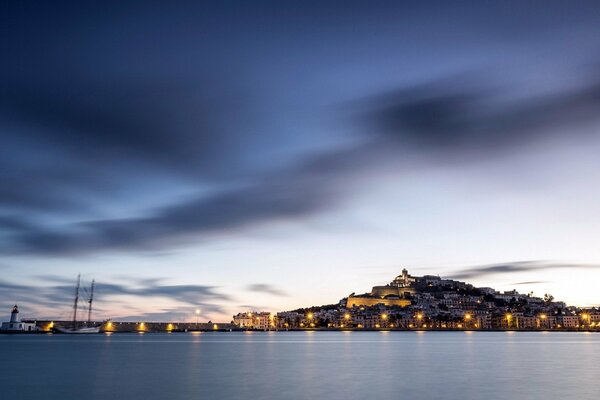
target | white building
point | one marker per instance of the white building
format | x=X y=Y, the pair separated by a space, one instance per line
x=15 y=324
x=255 y=320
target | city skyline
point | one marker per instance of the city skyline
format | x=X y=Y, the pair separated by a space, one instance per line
x=229 y=157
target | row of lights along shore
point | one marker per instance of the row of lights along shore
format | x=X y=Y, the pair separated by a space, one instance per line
x=142 y=327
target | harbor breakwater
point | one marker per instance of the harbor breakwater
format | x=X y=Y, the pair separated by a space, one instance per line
x=142 y=326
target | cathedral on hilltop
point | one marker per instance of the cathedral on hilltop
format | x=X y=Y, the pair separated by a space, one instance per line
x=396 y=293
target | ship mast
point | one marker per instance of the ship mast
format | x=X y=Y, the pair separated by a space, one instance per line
x=90 y=302
x=76 y=301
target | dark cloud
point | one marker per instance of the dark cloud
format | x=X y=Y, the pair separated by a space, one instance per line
x=460 y=116
x=516 y=267
x=192 y=294
x=169 y=124
x=85 y=140
x=266 y=288
x=294 y=193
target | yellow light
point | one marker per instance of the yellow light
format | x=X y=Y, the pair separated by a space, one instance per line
x=215 y=326
x=360 y=325
x=410 y=325
x=384 y=316
x=508 y=316
x=419 y=316
x=312 y=325
x=543 y=316
x=377 y=326
x=142 y=326
x=347 y=316
x=170 y=327
x=391 y=325
x=301 y=324
x=585 y=316
x=460 y=325
x=286 y=324
x=51 y=325
x=250 y=314
x=310 y=316
x=467 y=316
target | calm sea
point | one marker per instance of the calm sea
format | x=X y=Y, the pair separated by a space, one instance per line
x=302 y=365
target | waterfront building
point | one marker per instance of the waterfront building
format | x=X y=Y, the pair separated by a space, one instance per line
x=16 y=325
x=255 y=320
x=526 y=322
x=568 y=321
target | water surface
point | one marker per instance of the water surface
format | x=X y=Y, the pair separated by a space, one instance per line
x=302 y=365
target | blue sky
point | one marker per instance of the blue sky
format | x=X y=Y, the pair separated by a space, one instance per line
x=233 y=155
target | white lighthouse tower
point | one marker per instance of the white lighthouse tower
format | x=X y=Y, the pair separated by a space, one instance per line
x=14 y=315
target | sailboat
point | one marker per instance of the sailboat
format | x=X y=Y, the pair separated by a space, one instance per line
x=75 y=327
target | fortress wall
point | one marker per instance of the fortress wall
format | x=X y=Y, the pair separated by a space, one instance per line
x=372 y=301
x=381 y=291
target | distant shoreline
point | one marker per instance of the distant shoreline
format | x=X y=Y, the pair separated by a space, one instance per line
x=192 y=331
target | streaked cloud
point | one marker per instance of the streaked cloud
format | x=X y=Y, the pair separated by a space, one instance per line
x=530 y=283
x=60 y=296
x=516 y=267
x=266 y=288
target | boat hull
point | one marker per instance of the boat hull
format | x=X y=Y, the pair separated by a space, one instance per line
x=79 y=331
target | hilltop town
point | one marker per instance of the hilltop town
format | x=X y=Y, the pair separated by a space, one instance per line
x=431 y=302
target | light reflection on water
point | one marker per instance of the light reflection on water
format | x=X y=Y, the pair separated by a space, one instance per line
x=302 y=365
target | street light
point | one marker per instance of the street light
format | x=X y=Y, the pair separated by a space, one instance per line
x=271 y=320
x=420 y=318
x=585 y=318
x=197 y=315
x=467 y=319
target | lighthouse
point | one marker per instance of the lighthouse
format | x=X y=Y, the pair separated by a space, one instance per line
x=15 y=324
x=14 y=315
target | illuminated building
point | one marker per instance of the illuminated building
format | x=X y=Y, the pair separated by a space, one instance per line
x=396 y=293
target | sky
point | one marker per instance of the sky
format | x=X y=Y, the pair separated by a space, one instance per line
x=235 y=156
